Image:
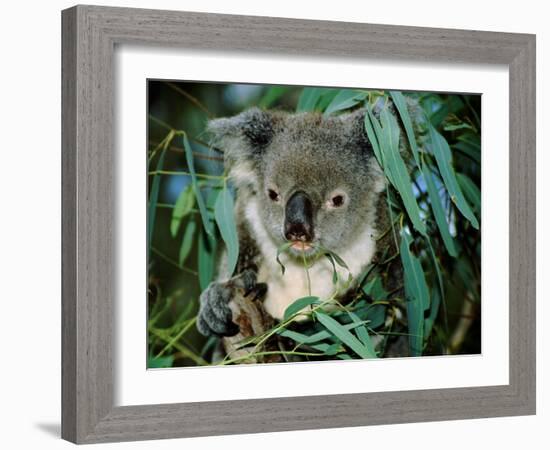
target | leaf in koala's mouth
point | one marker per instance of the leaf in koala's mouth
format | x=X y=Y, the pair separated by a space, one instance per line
x=283 y=248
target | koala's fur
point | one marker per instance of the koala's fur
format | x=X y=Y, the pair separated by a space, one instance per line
x=288 y=153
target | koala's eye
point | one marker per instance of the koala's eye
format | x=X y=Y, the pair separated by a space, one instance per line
x=336 y=201
x=273 y=195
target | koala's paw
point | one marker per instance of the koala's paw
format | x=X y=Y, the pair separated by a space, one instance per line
x=215 y=316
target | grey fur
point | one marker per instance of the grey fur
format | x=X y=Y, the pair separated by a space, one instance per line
x=286 y=152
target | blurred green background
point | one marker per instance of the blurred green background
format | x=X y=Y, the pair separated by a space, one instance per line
x=177 y=266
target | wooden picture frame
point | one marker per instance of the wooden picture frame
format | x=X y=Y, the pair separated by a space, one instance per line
x=90 y=34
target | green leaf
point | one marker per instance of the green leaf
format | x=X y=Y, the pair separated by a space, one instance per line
x=309 y=98
x=334 y=271
x=300 y=304
x=200 y=201
x=160 y=362
x=374 y=135
x=439 y=212
x=395 y=165
x=471 y=191
x=470 y=150
x=187 y=241
x=362 y=333
x=316 y=337
x=414 y=272
x=326 y=98
x=225 y=218
x=153 y=198
x=345 y=336
x=417 y=293
x=206 y=257
x=337 y=258
x=184 y=205
x=459 y=126
x=283 y=248
x=345 y=99
x=434 y=309
x=439 y=275
x=401 y=105
x=272 y=95
x=374 y=289
x=442 y=154
x=376 y=315
x=328 y=349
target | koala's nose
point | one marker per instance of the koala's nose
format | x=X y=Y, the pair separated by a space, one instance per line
x=299 y=218
x=297 y=232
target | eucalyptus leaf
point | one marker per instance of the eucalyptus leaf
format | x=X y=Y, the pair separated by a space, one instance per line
x=206 y=259
x=299 y=305
x=362 y=333
x=200 y=201
x=187 y=241
x=401 y=105
x=328 y=349
x=309 y=98
x=442 y=154
x=153 y=197
x=439 y=213
x=374 y=289
x=283 y=248
x=326 y=98
x=272 y=94
x=470 y=150
x=373 y=135
x=458 y=126
x=316 y=337
x=160 y=362
x=395 y=165
x=471 y=191
x=376 y=315
x=345 y=99
x=345 y=336
x=414 y=274
x=434 y=309
x=225 y=218
x=417 y=293
x=184 y=205
x=337 y=258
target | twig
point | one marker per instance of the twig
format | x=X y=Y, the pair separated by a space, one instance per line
x=467 y=317
x=189 y=97
x=171 y=261
x=245 y=357
x=184 y=351
x=182 y=172
x=175 y=148
x=161 y=123
x=176 y=338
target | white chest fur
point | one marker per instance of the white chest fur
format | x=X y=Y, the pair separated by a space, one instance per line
x=283 y=290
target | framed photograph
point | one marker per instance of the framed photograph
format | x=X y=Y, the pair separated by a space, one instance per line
x=268 y=230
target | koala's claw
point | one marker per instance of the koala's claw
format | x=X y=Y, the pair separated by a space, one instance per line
x=257 y=292
x=214 y=313
x=215 y=316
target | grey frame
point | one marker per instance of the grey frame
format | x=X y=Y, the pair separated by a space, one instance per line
x=89 y=37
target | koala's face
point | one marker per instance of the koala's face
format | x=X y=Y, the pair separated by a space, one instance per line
x=314 y=180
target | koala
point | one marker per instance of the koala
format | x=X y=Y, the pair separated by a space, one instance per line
x=306 y=180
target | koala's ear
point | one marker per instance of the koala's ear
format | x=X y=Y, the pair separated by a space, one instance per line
x=243 y=139
x=357 y=136
x=252 y=129
x=355 y=124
